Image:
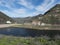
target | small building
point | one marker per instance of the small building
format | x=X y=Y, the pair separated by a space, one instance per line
x=8 y=22
x=43 y=24
x=36 y=22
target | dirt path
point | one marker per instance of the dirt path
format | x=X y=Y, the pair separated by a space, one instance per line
x=6 y=25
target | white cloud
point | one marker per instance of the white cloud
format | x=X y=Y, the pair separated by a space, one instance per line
x=7 y=3
x=26 y=4
x=45 y=5
x=15 y=13
x=20 y=11
x=36 y=12
x=42 y=6
x=40 y=9
x=11 y=14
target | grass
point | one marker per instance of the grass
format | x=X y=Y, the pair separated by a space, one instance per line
x=12 y=40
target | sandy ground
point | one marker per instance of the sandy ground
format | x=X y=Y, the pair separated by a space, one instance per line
x=6 y=25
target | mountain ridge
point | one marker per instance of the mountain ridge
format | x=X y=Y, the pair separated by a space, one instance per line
x=4 y=18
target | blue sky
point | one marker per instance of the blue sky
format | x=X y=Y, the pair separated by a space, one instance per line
x=25 y=8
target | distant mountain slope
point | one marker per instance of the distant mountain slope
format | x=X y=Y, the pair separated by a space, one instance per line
x=4 y=18
x=22 y=20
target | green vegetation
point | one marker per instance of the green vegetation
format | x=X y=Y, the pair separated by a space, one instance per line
x=50 y=19
x=11 y=40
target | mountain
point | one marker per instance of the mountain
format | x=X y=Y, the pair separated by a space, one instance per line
x=27 y=19
x=38 y=17
x=52 y=15
x=4 y=18
x=22 y=20
x=54 y=11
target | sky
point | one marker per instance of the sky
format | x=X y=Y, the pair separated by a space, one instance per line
x=25 y=8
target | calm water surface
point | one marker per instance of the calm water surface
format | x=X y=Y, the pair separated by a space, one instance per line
x=28 y=32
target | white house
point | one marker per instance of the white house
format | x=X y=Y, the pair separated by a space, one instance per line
x=43 y=24
x=8 y=22
x=35 y=22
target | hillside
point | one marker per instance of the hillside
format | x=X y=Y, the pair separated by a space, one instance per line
x=4 y=18
x=27 y=19
x=22 y=20
x=54 y=10
x=52 y=16
x=46 y=18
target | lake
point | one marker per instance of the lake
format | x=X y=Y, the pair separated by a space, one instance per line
x=24 y=32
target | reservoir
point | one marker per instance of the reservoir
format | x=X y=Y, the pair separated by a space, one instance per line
x=24 y=32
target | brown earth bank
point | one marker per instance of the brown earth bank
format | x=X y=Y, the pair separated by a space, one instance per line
x=6 y=25
x=46 y=27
